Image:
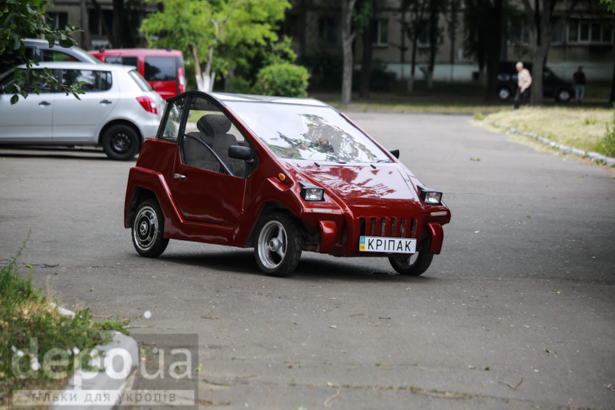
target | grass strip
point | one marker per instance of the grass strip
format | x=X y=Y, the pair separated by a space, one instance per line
x=588 y=129
x=39 y=347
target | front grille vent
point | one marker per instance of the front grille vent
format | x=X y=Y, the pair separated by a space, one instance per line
x=388 y=227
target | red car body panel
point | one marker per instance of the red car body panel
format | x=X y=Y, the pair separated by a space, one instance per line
x=360 y=199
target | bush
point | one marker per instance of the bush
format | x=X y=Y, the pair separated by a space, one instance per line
x=239 y=85
x=326 y=70
x=285 y=80
x=607 y=145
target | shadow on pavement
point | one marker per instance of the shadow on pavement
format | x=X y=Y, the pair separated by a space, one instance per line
x=310 y=267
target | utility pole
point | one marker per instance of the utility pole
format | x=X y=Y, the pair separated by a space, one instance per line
x=453 y=33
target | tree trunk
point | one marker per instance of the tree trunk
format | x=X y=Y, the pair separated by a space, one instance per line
x=347 y=38
x=197 y=68
x=612 y=99
x=118 y=12
x=85 y=26
x=494 y=45
x=366 y=61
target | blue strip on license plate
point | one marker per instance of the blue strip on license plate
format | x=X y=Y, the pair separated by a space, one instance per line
x=387 y=245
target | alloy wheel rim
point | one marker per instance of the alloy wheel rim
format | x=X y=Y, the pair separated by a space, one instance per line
x=272 y=244
x=145 y=228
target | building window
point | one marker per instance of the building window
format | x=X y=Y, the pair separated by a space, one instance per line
x=328 y=31
x=96 y=20
x=58 y=20
x=558 y=35
x=423 y=37
x=519 y=33
x=590 y=31
x=380 y=32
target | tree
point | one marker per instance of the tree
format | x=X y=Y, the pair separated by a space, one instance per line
x=483 y=21
x=435 y=8
x=542 y=24
x=26 y=18
x=365 y=26
x=348 y=36
x=611 y=7
x=201 y=27
x=414 y=29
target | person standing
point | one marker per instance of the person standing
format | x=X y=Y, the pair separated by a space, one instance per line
x=578 y=80
x=524 y=80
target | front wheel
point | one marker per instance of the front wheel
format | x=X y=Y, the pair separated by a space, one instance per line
x=563 y=95
x=504 y=94
x=148 y=229
x=278 y=245
x=416 y=264
x=121 y=142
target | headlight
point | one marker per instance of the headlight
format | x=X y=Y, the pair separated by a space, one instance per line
x=310 y=192
x=429 y=196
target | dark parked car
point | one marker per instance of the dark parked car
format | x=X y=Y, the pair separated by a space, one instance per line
x=282 y=176
x=552 y=85
x=39 y=50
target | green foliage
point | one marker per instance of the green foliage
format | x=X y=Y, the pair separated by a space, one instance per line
x=236 y=29
x=30 y=325
x=325 y=69
x=27 y=18
x=607 y=145
x=610 y=4
x=286 y=80
x=240 y=85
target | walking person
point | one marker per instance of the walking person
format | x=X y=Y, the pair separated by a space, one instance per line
x=524 y=80
x=578 y=80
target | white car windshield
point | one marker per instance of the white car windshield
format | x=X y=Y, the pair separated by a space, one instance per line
x=307 y=132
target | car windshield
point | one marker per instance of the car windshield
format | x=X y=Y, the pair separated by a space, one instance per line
x=307 y=132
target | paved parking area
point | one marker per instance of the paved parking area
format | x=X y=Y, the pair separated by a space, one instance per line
x=522 y=294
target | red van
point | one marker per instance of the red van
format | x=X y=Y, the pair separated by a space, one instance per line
x=163 y=69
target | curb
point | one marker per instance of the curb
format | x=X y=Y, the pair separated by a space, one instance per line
x=102 y=381
x=594 y=156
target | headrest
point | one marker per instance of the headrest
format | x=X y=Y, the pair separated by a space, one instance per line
x=213 y=124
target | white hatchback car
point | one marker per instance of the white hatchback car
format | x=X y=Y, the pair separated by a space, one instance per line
x=118 y=110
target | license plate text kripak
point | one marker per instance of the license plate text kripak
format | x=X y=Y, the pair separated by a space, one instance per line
x=387 y=245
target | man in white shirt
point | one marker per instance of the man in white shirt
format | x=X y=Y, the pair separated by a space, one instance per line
x=524 y=80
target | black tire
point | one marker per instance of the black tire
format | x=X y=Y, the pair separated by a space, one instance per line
x=416 y=264
x=504 y=93
x=278 y=245
x=563 y=95
x=148 y=230
x=121 y=142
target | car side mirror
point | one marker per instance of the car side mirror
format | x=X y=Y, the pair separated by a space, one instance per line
x=395 y=153
x=239 y=152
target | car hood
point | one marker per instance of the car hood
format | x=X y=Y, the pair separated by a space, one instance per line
x=359 y=181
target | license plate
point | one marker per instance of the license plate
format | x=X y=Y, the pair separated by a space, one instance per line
x=387 y=245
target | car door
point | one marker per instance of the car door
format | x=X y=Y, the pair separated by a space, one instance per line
x=30 y=119
x=78 y=120
x=207 y=185
x=548 y=83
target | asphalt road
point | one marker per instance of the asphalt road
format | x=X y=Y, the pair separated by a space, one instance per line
x=522 y=295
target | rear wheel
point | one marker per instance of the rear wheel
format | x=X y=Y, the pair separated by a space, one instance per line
x=563 y=95
x=148 y=230
x=121 y=142
x=278 y=245
x=504 y=94
x=416 y=264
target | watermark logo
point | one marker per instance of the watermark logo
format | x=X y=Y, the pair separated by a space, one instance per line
x=159 y=370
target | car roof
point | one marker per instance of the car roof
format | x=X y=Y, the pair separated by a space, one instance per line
x=83 y=66
x=268 y=99
x=160 y=52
